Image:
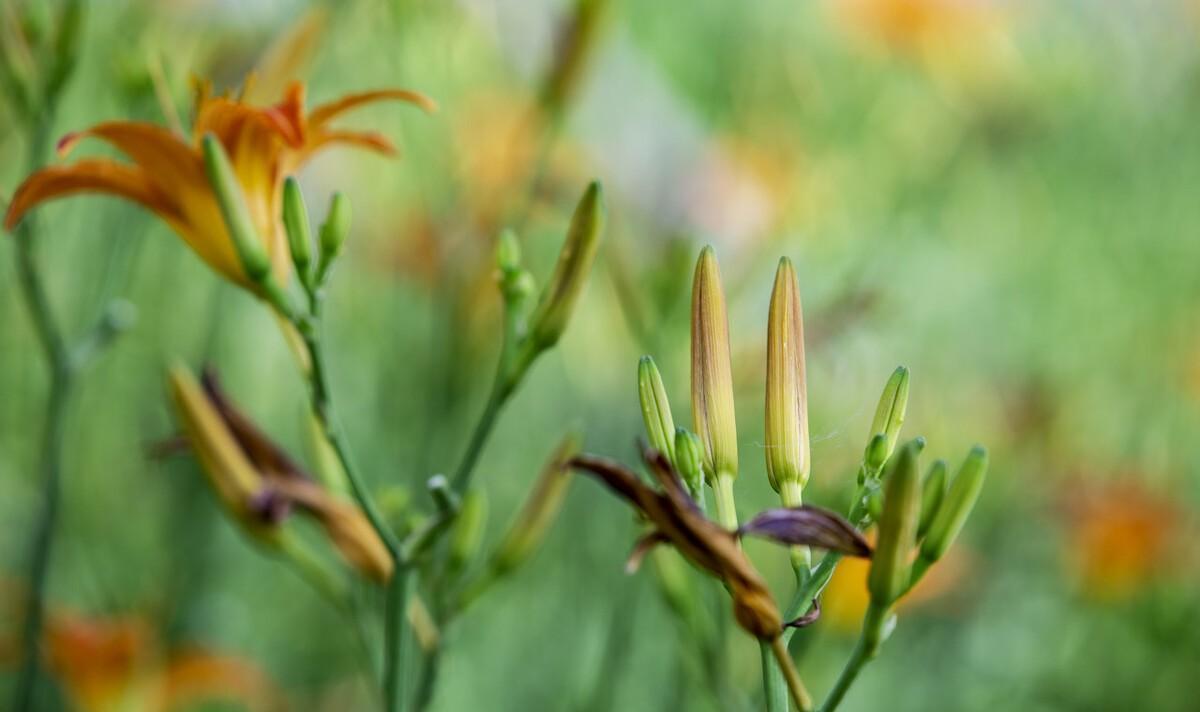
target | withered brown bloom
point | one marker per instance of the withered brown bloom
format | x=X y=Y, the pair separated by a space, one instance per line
x=715 y=549
x=258 y=483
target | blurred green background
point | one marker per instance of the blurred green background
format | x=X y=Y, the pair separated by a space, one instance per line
x=1001 y=195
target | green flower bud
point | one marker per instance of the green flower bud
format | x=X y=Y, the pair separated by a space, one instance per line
x=248 y=244
x=539 y=510
x=712 y=378
x=295 y=221
x=889 y=414
x=469 y=527
x=508 y=252
x=877 y=452
x=558 y=299
x=689 y=460
x=890 y=566
x=656 y=409
x=932 y=490
x=335 y=229
x=787 y=445
x=956 y=505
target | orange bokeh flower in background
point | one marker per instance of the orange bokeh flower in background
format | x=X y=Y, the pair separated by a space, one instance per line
x=167 y=176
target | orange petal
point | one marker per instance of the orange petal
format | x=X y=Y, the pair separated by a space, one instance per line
x=160 y=153
x=197 y=676
x=369 y=140
x=326 y=112
x=89 y=176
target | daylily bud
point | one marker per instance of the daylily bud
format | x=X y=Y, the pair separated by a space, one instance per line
x=689 y=460
x=656 y=409
x=932 y=490
x=550 y=317
x=956 y=505
x=508 y=252
x=788 y=461
x=539 y=510
x=889 y=414
x=468 y=530
x=890 y=567
x=877 y=452
x=335 y=229
x=248 y=244
x=712 y=378
x=295 y=221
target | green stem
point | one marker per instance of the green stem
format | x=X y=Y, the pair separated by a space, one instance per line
x=399 y=588
x=775 y=689
x=58 y=360
x=864 y=651
x=723 y=498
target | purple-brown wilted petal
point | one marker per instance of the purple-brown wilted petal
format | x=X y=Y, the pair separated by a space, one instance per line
x=808 y=526
x=642 y=547
x=808 y=618
x=267 y=457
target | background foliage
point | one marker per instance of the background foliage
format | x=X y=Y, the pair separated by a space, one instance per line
x=998 y=194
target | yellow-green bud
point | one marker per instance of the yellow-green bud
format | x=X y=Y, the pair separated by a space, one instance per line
x=889 y=414
x=336 y=228
x=689 y=460
x=558 y=299
x=712 y=377
x=932 y=491
x=877 y=452
x=956 y=505
x=468 y=530
x=508 y=252
x=247 y=243
x=787 y=445
x=656 y=409
x=295 y=222
x=539 y=510
x=890 y=565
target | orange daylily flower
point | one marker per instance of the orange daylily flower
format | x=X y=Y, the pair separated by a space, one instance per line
x=167 y=176
x=109 y=665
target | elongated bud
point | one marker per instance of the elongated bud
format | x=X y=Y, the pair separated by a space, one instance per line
x=956 y=505
x=712 y=376
x=295 y=221
x=228 y=469
x=889 y=416
x=787 y=448
x=539 y=511
x=468 y=530
x=932 y=491
x=558 y=299
x=689 y=460
x=890 y=565
x=247 y=242
x=335 y=229
x=656 y=409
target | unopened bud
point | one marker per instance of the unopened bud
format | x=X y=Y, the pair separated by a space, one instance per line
x=787 y=444
x=877 y=452
x=656 y=409
x=932 y=490
x=335 y=229
x=712 y=378
x=956 y=505
x=558 y=299
x=889 y=414
x=689 y=460
x=890 y=565
x=508 y=252
x=247 y=243
x=295 y=222
x=468 y=530
x=539 y=510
